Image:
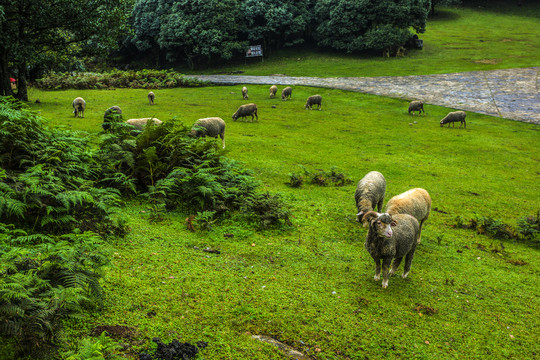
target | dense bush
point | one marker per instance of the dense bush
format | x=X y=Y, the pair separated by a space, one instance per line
x=143 y=79
x=45 y=280
x=174 y=170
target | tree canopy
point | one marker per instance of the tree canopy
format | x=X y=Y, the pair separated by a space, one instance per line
x=33 y=30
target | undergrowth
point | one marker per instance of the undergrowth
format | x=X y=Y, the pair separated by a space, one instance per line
x=527 y=228
x=143 y=79
x=58 y=198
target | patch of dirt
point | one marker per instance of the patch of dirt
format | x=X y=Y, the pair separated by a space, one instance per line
x=506 y=40
x=115 y=331
x=174 y=351
x=425 y=309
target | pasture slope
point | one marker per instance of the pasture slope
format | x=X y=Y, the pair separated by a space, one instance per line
x=311 y=286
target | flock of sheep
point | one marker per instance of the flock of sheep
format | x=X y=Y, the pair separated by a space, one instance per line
x=451 y=118
x=392 y=234
x=211 y=126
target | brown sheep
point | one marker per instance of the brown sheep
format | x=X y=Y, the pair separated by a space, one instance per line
x=415 y=202
x=246 y=110
x=454 y=117
x=286 y=93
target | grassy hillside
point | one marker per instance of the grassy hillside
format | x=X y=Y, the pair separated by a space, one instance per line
x=311 y=287
x=497 y=35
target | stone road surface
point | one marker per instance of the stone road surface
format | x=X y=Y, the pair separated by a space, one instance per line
x=509 y=93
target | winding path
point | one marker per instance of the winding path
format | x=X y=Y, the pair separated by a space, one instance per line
x=509 y=93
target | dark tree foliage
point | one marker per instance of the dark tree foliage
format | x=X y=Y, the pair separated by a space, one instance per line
x=33 y=30
x=199 y=31
x=277 y=23
x=356 y=25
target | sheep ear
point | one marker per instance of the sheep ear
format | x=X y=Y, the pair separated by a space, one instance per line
x=369 y=217
x=359 y=216
x=393 y=223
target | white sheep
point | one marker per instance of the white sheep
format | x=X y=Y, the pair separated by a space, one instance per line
x=314 y=100
x=369 y=193
x=79 y=105
x=246 y=110
x=245 y=93
x=454 y=117
x=151 y=97
x=212 y=126
x=415 y=202
x=273 y=91
x=391 y=237
x=141 y=123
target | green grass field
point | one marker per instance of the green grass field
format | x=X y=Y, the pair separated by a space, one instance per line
x=497 y=35
x=312 y=286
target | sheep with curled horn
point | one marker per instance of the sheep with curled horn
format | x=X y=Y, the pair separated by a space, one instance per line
x=390 y=238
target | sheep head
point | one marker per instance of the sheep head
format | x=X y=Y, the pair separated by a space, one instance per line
x=380 y=223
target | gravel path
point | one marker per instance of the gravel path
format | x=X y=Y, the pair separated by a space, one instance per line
x=509 y=93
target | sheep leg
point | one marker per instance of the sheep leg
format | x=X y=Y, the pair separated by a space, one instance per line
x=379 y=205
x=385 y=271
x=377 y=269
x=395 y=265
x=222 y=136
x=408 y=262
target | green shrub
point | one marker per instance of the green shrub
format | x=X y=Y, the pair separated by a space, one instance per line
x=45 y=280
x=101 y=348
x=143 y=79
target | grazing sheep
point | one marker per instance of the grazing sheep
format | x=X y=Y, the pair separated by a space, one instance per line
x=369 y=193
x=112 y=114
x=151 y=97
x=454 y=117
x=416 y=106
x=391 y=237
x=415 y=202
x=286 y=93
x=244 y=93
x=273 y=91
x=78 y=107
x=212 y=126
x=246 y=110
x=141 y=123
x=314 y=100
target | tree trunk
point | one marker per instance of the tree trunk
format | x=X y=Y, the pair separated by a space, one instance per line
x=5 y=84
x=22 y=89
